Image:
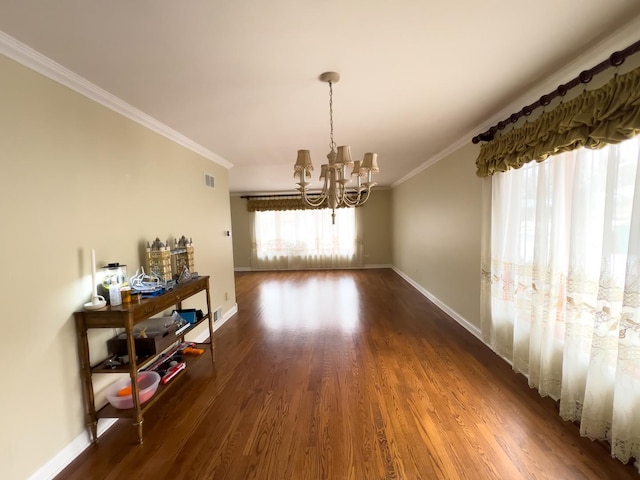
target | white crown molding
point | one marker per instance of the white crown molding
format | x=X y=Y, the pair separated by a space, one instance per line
x=618 y=40
x=433 y=160
x=30 y=58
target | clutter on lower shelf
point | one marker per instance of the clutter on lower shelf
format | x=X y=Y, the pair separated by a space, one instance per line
x=170 y=363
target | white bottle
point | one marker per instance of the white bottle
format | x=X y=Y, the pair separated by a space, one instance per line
x=115 y=297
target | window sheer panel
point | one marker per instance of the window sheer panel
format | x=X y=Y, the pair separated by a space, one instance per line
x=549 y=278
x=565 y=285
x=597 y=413
x=299 y=239
x=626 y=397
x=587 y=231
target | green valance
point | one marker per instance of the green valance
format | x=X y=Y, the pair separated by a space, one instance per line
x=273 y=203
x=264 y=204
x=595 y=118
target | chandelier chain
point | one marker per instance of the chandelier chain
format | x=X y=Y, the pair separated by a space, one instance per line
x=332 y=144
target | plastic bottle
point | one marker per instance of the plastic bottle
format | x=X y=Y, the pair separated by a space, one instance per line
x=115 y=297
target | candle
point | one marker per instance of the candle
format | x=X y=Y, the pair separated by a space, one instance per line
x=93 y=276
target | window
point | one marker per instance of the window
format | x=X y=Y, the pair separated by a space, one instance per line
x=305 y=239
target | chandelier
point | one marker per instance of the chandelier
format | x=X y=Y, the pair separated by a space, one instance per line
x=335 y=190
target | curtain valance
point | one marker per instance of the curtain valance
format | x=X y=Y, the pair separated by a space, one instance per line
x=609 y=114
x=266 y=204
x=275 y=203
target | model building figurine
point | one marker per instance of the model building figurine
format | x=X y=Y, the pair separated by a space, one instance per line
x=182 y=254
x=159 y=260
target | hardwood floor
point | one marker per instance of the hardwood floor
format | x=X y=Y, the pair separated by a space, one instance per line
x=347 y=375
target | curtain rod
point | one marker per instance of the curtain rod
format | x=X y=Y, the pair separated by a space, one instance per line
x=615 y=60
x=285 y=195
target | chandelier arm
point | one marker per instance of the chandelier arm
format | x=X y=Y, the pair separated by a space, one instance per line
x=311 y=203
x=322 y=197
x=343 y=195
x=357 y=199
x=351 y=201
x=366 y=197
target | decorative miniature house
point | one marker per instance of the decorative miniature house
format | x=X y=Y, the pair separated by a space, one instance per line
x=182 y=255
x=169 y=263
x=159 y=260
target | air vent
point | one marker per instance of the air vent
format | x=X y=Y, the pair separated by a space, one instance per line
x=209 y=181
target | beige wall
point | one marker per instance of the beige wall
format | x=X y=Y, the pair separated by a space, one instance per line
x=376 y=228
x=75 y=176
x=240 y=222
x=436 y=231
x=376 y=225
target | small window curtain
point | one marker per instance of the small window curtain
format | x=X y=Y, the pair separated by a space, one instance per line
x=305 y=239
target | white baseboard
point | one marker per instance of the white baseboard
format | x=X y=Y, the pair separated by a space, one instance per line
x=78 y=445
x=475 y=331
x=359 y=267
x=69 y=453
x=202 y=337
x=228 y=314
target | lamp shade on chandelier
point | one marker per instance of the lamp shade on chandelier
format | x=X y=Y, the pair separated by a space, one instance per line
x=337 y=172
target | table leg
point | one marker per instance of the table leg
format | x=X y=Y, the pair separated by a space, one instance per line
x=138 y=424
x=87 y=383
x=213 y=354
x=133 y=374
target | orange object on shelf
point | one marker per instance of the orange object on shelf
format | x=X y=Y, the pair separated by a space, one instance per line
x=193 y=351
x=126 y=391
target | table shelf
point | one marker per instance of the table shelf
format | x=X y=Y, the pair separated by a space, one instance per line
x=144 y=361
x=109 y=411
x=126 y=316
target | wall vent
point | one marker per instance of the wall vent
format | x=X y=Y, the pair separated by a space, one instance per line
x=217 y=314
x=209 y=181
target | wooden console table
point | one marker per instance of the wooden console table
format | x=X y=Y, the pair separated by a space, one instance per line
x=127 y=316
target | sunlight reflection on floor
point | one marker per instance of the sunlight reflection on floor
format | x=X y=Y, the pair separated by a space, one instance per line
x=331 y=304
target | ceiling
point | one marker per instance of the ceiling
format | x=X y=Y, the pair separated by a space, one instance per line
x=240 y=77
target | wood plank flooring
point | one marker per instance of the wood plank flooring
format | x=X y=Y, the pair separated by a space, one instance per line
x=347 y=375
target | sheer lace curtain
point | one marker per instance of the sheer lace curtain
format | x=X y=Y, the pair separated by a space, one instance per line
x=301 y=239
x=563 y=277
